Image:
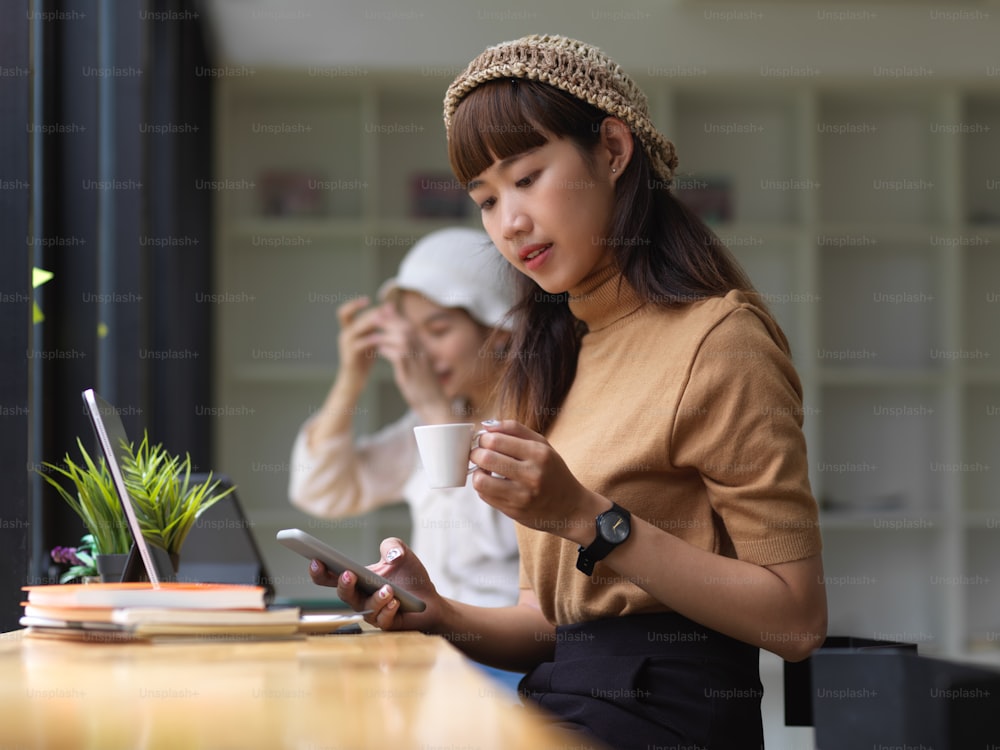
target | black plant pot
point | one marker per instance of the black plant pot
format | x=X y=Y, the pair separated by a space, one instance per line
x=111 y=567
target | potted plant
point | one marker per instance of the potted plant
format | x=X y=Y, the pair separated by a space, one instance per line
x=166 y=502
x=95 y=500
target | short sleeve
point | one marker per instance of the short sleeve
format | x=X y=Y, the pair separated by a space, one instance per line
x=739 y=426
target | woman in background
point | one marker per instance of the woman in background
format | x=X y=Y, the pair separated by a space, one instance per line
x=432 y=325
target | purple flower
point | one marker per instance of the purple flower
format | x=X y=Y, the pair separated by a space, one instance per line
x=66 y=555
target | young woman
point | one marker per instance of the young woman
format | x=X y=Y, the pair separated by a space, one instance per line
x=651 y=451
x=434 y=326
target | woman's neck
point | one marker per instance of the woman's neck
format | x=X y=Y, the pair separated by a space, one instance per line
x=604 y=297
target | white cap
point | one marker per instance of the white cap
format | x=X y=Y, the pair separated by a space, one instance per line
x=457 y=267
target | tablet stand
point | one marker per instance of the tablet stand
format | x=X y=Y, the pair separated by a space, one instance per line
x=135 y=569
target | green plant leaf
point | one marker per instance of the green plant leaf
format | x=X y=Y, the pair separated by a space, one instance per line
x=166 y=503
x=93 y=499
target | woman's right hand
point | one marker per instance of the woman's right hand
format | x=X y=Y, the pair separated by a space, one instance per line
x=398 y=564
x=359 y=337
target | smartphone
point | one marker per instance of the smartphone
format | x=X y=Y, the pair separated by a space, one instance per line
x=368 y=582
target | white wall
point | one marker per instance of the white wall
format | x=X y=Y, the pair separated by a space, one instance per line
x=830 y=39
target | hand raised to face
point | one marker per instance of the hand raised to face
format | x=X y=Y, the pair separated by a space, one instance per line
x=359 y=336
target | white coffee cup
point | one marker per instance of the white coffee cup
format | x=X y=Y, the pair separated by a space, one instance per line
x=444 y=451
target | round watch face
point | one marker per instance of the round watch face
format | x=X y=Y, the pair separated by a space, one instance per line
x=614 y=527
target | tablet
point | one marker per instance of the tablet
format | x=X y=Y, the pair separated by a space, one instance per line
x=368 y=581
x=145 y=562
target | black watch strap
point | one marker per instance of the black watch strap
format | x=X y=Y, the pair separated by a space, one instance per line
x=613 y=527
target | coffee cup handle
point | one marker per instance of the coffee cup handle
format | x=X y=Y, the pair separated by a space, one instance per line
x=475 y=444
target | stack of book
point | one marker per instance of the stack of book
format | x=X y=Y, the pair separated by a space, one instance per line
x=140 y=611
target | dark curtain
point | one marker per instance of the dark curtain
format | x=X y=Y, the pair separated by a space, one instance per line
x=15 y=306
x=123 y=132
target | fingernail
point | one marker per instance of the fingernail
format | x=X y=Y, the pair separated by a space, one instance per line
x=314 y=566
x=383 y=593
x=346 y=576
x=393 y=554
x=490 y=422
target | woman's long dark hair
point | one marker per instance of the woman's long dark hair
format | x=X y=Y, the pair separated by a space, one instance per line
x=663 y=250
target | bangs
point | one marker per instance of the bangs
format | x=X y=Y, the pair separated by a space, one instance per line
x=490 y=123
x=505 y=117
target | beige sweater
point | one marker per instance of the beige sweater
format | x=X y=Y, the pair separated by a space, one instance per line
x=691 y=418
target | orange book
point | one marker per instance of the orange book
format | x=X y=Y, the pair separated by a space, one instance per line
x=165 y=595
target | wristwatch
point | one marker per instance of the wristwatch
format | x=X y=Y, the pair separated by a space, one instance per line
x=613 y=527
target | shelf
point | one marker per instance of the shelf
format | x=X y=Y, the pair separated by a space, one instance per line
x=749 y=142
x=985 y=652
x=981 y=418
x=277 y=136
x=856 y=520
x=979 y=127
x=984 y=519
x=868 y=598
x=881 y=448
x=879 y=158
x=832 y=236
x=752 y=235
x=885 y=307
x=980 y=580
x=981 y=375
x=413 y=172
x=872 y=375
x=981 y=306
x=867 y=215
x=246 y=230
x=278 y=373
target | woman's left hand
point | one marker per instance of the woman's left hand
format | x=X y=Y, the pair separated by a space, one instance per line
x=535 y=487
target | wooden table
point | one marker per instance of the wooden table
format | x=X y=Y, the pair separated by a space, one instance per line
x=390 y=691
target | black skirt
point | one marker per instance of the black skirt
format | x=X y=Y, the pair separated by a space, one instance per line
x=652 y=682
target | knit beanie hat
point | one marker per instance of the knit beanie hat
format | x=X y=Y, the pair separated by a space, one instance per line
x=456 y=267
x=578 y=69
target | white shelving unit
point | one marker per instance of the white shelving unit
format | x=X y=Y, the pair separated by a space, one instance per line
x=868 y=214
x=341 y=151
